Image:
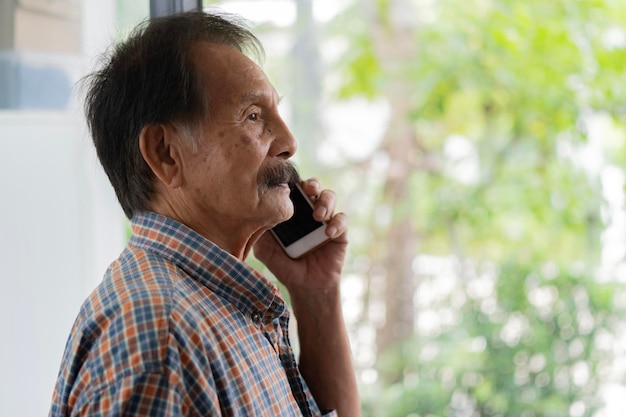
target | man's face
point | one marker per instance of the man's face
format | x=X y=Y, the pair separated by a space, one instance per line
x=237 y=177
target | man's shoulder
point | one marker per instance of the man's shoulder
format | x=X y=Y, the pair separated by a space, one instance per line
x=136 y=279
x=146 y=297
x=131 y=305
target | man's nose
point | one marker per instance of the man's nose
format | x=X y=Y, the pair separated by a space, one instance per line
x=284 y=143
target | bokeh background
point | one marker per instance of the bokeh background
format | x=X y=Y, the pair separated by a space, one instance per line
x=478 y=148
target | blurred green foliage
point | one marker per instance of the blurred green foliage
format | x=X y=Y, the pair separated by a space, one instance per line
x=526 y=346
x=504 y=97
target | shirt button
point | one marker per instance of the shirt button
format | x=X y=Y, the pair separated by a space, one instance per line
x=256 y=317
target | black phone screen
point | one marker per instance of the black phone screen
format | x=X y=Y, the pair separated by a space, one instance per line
x=300 y=224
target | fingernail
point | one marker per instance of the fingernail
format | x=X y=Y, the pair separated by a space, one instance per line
x=331 y=231
x=320 y=212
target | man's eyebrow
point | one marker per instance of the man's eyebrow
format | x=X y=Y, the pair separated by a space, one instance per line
x=252 y=97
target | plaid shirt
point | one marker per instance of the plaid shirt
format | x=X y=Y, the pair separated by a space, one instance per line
x=180 y=327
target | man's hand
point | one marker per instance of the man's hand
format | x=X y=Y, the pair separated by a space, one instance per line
x=321 y=268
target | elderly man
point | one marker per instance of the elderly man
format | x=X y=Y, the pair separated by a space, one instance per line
x=187 y=128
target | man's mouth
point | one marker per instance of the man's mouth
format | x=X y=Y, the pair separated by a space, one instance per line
x=280 y=175
x=278 y=182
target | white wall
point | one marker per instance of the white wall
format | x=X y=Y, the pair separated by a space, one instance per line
x=60 y=225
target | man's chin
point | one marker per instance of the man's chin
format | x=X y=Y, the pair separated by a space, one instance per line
x=277 y=205
x=285 y=213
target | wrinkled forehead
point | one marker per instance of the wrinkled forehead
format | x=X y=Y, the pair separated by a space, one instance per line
x=219 y=62
x=225 y=70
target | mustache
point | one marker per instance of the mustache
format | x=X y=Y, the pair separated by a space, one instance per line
x=280 y=173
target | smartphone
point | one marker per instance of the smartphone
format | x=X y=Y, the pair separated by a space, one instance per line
x=301 y=233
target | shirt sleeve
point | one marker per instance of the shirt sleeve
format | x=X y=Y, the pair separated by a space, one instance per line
x=145 y=394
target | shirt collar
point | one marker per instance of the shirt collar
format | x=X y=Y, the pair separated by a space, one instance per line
x=211 y=266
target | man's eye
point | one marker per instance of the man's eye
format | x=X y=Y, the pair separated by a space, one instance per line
x=253 y=116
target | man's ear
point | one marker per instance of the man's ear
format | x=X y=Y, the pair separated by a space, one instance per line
x=159 y=146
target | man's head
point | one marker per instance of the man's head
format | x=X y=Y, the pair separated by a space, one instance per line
x=153 y=78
